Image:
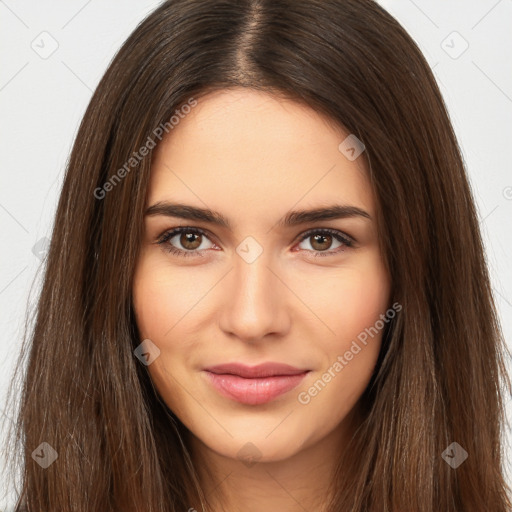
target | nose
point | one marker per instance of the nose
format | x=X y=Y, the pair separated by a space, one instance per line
x=254 y=301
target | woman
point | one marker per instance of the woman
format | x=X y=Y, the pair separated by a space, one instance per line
x=266 y=287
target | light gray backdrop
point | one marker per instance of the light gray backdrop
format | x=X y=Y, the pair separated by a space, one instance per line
x=54 y=53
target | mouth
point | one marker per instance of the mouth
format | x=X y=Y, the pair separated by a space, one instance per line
x=254 y=385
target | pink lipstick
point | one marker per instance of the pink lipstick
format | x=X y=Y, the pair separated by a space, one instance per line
x=254 y=385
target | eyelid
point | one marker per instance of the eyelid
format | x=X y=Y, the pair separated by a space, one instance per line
x=346 y=240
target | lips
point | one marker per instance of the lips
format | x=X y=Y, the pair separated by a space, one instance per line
x=261 y=370
x=254 y=385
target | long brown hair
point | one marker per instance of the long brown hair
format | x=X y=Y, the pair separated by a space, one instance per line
x=440 y=372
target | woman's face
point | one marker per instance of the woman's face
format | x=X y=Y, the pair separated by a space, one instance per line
x=265 y=286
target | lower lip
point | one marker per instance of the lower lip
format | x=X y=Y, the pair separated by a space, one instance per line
x=253 y=391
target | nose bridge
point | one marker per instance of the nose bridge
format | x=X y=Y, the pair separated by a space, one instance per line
x=254 y=306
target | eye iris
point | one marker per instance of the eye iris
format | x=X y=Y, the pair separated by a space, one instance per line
x=187 y=240
x=319 y=239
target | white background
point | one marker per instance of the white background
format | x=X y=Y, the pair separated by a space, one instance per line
x=42 y=101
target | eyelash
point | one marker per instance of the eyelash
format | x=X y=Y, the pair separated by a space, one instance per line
x=338 y=235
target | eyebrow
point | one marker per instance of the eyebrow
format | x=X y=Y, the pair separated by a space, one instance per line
x=292 y=218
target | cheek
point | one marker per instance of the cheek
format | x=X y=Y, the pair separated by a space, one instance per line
x=160 y=298
x=363 y=298
x=347 y=300
x=351 y=304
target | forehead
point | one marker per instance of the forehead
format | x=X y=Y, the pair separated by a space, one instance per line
x=249 y=154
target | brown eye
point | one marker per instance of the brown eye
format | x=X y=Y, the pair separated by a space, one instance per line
x=185 y=242
x=190 y=241
x=321 y=242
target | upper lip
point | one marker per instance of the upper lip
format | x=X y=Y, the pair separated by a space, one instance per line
x=262 y=370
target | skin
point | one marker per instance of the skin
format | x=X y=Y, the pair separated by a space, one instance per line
x=254 y=158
